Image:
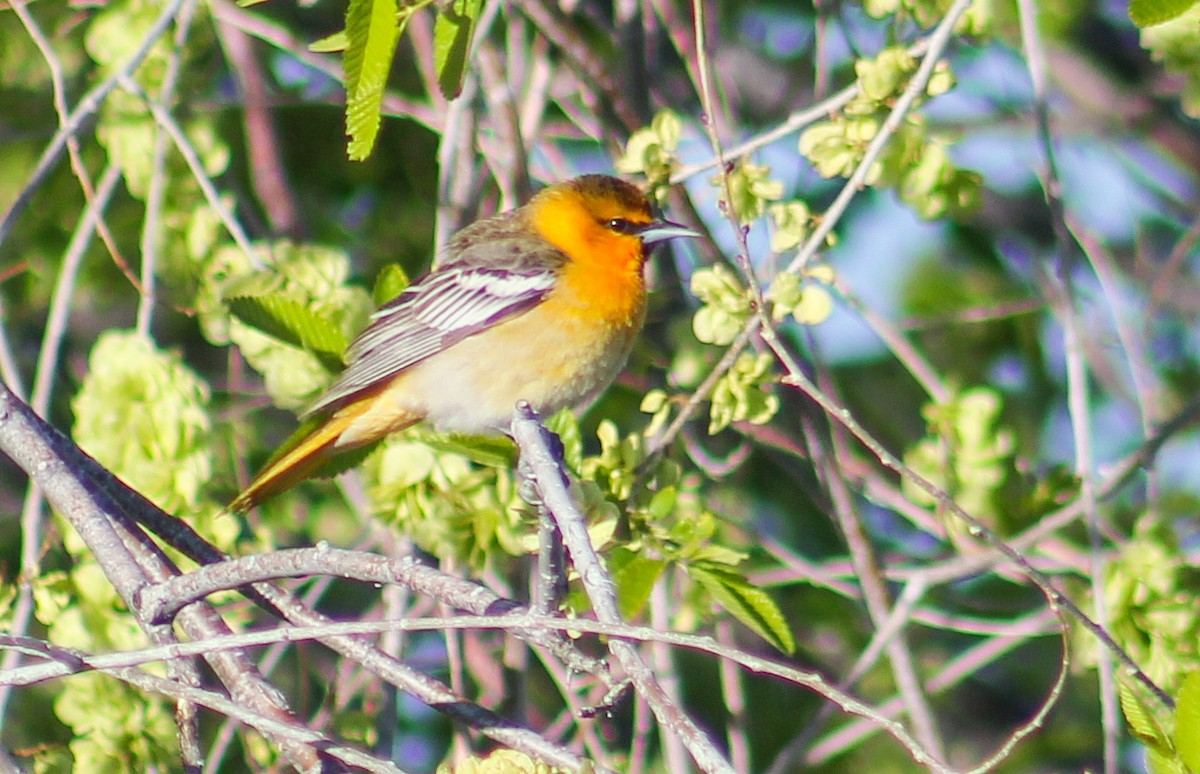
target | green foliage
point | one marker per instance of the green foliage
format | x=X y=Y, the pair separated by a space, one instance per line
x=1153 y=598
x=803 y=298
x=144 y=415
x=141 y=737
x=371 y=34
x=1172 y=743
x=126 y=129
x=452 y=43
x=670 y=527
x=501 y=761
x=330 y=44
x=1176 y=43
x=373 y=28
x=494 y=450
x=742 y=393
x=915 y=162
x=635 y=576
x=1152 y=595
x=1187 y=721
x=726 y=305
x=750 y=190
x=650 y=151
x=966 y=454
x=615 y=467
x=747 y=603
x=290 y=321
x=391 y=282
x=792 y=224
x=450 y=507
x=977 y=21
x=114 y=727
x=1147 y=729
x=1147 y=13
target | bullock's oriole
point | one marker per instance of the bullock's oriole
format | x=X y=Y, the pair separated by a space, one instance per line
x=542 y=303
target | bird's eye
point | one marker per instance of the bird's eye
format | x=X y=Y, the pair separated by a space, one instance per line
x=622 y=226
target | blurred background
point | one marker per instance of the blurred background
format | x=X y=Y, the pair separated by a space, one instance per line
x=1008 y=305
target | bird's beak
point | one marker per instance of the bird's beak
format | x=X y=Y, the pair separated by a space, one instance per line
x=661 y=230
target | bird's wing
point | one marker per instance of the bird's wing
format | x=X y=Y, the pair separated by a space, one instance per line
x=442 y=308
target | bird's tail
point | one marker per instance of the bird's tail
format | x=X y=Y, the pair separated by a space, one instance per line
x=314 y=449
x=309 y=448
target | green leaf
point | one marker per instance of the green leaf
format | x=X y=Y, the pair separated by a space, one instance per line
x=792 y=220
x=452 y=43
x=566 y=427
x=741 y=395
x=941 y=80
x=726 y=305
x=330 y=43
x=1187 y=721
x=634 y=577
x=293 y=323
x=638 y=150
x=1159 y=762
x=495 y=451
x=885 y=75
x=750 y=189
x=371 y=34
x=747 y=603
x=1174 y=44
x=667 y=127
x=1147 y=13
x=391 y=282
x=1142 y=723
x=144 y=414
x=815 y=306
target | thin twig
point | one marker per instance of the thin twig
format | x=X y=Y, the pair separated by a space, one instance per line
x=549 y=476
x=58 y=87
x=875 y=592
x=936 y=44
x=1133 y=344
x=156 y=193
x=1078 y=398
x=796 y=378
x=84 y=110
x=182 y=144
x=281 y=38
x=327 y=630
x=33 y=510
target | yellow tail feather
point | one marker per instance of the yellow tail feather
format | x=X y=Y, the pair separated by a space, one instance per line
x=293 y=466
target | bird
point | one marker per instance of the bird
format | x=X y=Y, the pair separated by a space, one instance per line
x=541 y=303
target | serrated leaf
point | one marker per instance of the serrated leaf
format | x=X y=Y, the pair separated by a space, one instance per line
x=391 y=282
x=745 y=602
x=495 y=451
x=634 y=577
x=452 y=43
x=292 y=323
x=1142 y=723
x=371 y=34
x=1147 y=13
x=1187 y=721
